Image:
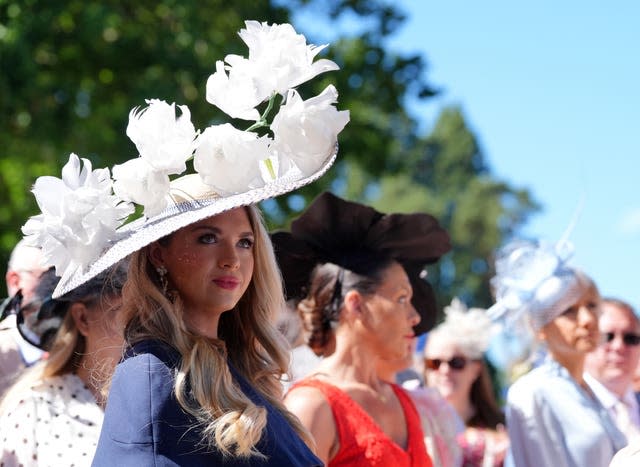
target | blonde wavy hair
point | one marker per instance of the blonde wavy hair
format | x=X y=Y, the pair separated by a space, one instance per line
x=248 y=337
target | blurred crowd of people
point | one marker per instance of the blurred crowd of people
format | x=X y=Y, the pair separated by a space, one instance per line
x=357 y=384
x=192 y=336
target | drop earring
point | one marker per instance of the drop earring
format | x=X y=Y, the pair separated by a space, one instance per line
x=162 y=276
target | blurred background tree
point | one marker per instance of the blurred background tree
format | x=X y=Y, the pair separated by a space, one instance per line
x=73 y=69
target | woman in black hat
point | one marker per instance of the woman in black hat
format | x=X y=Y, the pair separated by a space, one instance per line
x=357 y=274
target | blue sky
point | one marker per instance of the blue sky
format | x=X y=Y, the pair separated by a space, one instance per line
x=552 y=92
x=551 y=89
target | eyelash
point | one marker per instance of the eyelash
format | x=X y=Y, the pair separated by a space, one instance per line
x=204 y=238
x=246 y=243
x=209 y=239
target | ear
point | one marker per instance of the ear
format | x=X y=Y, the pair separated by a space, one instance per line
x=13 y=282
x=541 y=334
x=156 y=254
x=353 y=302
x=80 y=316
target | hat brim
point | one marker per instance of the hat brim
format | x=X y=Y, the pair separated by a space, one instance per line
x=142 y=232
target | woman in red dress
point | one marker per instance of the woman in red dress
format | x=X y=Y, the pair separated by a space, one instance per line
x=364 y=299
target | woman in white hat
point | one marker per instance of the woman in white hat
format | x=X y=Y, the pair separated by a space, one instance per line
x=199 y=382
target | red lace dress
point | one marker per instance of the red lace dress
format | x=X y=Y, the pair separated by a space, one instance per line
x=362 y=441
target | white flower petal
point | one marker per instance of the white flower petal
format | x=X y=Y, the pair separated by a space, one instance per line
x=306 y=131
x=236 y=95
x=137 y=181
x=228 y=159
x=166 y=142
x=79 y=203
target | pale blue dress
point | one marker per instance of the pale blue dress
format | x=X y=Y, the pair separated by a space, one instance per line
x=554 y=422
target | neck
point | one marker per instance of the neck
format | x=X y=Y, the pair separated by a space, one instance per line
x=464 y=407
x=574 y=364
x=203 y=323
x=619 y=388
x=89 y=372
x=352 y=364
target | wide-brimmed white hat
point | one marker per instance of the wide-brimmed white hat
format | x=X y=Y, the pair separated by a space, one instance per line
x=189 y=201
x=85 y=225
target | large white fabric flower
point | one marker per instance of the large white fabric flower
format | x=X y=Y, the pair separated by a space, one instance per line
x=235 y=94
x=279 y=59
x=165 y=141
x=79 y=217
x=137 y=181
x=229 y=159
x=305 y=132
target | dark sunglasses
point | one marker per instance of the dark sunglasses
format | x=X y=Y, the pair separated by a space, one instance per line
x=37 y=321
x=628 y=338
x=456 y=363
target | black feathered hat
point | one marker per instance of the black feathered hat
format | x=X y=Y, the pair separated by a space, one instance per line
x=350 y=235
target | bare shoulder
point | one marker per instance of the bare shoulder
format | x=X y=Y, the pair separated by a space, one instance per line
x=314 y=411
x=307 y=401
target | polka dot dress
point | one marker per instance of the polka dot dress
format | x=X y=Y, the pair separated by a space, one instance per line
x=56 y=423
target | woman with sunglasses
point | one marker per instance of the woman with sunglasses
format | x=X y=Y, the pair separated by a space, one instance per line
x=52 y=415
x=440 y=422
x=553 y=416
x=455 y=365
x=357 y=272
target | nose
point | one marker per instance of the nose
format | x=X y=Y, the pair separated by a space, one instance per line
x=228 y=258
x=617 y=343
x=414 y=317
x=587 y=317
x=444 y=367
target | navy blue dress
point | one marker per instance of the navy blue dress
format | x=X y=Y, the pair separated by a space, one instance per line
x=145 y=426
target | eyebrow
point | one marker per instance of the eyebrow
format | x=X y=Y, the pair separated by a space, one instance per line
x=216 y=230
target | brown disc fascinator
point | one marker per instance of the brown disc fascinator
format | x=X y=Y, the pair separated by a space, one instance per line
x=352 y=235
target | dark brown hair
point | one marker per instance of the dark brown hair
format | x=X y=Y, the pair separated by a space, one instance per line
x=320 y=309
x=483 y=399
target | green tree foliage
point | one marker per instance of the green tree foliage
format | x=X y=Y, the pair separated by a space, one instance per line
x=72 y=72
x=447 y=175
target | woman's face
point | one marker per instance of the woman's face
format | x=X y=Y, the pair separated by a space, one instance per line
x=576 y=330
x=389 y=316
x=452 y=382
x=209 y=263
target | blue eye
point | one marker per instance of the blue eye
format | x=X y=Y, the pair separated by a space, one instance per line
x=207 y=238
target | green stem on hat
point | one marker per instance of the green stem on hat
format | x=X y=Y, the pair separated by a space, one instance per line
x=263 y=118
x=269 y=165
